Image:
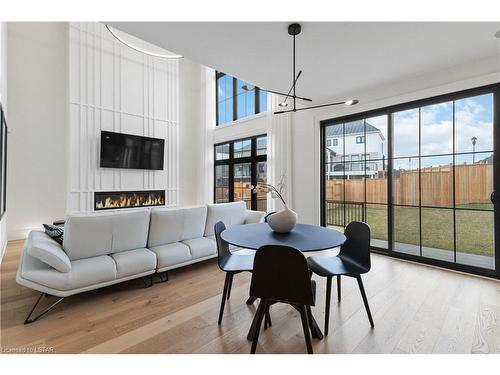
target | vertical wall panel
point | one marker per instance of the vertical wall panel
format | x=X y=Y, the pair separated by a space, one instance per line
x=115 y=88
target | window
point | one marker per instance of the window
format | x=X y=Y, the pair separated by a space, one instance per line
x=239 y=165
x=425 y=180
x=237 y=99
x=335 y=142
x=329 y=143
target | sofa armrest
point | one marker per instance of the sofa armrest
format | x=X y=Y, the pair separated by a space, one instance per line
x=252 y=217
x=40 y=246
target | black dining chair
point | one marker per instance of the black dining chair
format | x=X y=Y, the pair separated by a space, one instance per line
x=231 y=264
x=281 y=275
x=353 y=260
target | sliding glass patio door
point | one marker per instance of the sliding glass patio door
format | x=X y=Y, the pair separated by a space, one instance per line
x=425 y=181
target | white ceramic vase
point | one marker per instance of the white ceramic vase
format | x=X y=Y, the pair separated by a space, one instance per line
x=282 y=221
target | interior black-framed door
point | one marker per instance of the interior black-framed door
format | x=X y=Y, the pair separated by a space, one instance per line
x=442 y=174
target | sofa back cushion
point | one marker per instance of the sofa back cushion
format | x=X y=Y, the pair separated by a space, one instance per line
x=89 y=235
x=178 y=224
x=230 y=214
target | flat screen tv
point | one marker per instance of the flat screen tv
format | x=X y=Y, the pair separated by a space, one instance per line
x=128 y=151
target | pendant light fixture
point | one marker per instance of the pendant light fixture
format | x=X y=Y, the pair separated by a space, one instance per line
x=294 y=29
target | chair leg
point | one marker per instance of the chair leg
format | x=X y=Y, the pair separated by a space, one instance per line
x=267 y=318
x=327 y=303
x=28 y=319
x=230 y=286
x=365 y=300
x=260 y=314
x=224 y=294
x=305 y=326
x=338 y=288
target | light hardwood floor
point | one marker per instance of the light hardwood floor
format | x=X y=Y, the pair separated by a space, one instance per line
x=416 y=309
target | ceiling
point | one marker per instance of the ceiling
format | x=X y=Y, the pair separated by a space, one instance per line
x=338 y=59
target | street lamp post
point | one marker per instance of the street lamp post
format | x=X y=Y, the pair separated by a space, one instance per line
x=473 y=140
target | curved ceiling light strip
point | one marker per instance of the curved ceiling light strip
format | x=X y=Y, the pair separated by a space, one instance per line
x=138 y=49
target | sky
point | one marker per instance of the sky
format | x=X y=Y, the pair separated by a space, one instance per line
x=245 y=102
x=473 y=118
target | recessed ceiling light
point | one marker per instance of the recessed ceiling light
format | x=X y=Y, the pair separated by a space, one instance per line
x=497 y=34
x=283 y=104
x=351 y=102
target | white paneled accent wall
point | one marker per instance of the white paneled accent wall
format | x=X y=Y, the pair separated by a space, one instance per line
x=115 y=88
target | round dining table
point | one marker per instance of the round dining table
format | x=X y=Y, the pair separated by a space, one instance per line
x=303 y=237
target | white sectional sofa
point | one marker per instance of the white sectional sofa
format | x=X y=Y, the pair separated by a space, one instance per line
x=101 y=249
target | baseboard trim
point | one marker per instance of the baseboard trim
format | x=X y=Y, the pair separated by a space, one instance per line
x=20 y=233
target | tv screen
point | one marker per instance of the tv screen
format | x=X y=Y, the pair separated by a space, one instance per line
x=120 y=150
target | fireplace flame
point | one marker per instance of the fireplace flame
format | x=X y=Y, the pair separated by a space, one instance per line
x=126 y=200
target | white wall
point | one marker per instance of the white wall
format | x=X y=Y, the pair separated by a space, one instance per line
x=191 y=131
x=115 y=88
x=3 y=100
x=37 y=93
x=66 y=83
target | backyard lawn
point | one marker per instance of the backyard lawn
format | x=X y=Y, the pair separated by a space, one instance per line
x=474 y=228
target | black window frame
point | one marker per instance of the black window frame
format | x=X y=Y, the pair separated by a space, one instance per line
x=253 y=159
x=234 y=98
x=389 y=111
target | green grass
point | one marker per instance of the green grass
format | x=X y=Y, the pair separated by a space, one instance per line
x=474 y=228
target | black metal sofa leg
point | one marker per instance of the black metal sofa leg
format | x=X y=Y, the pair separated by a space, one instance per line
x=166 y=277
x=162 y=279
x=29 y=320
x=150 y=283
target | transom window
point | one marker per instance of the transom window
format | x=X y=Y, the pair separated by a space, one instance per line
x=237 y=99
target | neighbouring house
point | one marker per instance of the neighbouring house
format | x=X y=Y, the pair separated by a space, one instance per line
x=346 y=144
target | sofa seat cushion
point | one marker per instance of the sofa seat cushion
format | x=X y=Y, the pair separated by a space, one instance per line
x=134 y=262
x=201 y=247
x=171 y=254
x=83 y=273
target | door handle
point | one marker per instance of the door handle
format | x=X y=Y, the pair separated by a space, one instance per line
x=492 y=197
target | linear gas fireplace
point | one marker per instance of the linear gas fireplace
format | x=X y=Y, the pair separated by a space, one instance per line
x=112 y=200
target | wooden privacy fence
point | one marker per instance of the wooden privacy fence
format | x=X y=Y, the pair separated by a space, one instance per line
x=473 y=184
